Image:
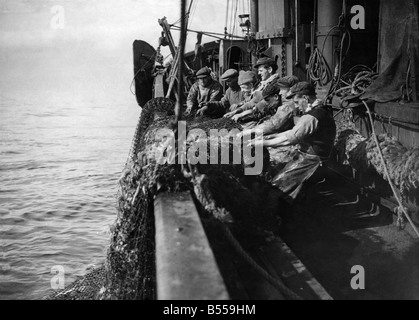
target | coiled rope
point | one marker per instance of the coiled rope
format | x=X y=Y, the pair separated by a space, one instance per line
x=318 y=69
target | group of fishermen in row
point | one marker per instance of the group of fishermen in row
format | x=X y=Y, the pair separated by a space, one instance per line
x=269 y=105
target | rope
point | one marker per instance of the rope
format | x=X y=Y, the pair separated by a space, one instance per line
x=278 y=284
x=226 y=20
x=401 y=208
x=212 y=34
x=318 y=69
x=191 y=11
x=140 y=69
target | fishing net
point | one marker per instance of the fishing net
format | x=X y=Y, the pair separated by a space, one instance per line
x=221 y=188
x=362 y=154
x=85 y=288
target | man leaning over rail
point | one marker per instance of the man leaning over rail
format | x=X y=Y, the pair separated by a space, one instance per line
x=314 y=132
x=204 y=90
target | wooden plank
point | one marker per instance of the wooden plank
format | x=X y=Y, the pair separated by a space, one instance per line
x=185 y=264
x=292 y=271
x=158 y=86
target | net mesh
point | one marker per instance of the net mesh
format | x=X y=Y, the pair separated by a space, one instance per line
x=222 y=189
x=87 y=287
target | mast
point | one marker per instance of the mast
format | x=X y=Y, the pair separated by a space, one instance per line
x=180 y=98
x=254 y=16
x=254 y=21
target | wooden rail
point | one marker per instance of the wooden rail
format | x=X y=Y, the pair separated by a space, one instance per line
x=186 y=268
x=185 y=264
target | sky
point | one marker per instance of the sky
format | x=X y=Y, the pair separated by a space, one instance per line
x=50 y=45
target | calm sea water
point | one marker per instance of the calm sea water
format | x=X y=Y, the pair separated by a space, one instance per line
x=60 y=158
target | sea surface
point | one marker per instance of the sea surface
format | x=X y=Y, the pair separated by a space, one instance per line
x=61 y=155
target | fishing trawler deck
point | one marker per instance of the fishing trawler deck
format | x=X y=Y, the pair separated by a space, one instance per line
x=355 y=220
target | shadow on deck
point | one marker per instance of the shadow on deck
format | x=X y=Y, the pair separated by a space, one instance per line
x=333 y=228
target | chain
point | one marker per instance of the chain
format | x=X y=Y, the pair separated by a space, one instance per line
x=283 y=59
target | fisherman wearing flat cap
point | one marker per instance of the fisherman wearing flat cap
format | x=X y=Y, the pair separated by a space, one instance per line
x=274 y=113
x=283 y=119
x=266 y=68
x=314 y=133
x=204 y=90
x=233 y=96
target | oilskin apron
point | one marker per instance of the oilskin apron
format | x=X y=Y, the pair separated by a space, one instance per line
x=291 y=178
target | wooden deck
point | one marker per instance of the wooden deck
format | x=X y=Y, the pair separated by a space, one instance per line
x=336 y=227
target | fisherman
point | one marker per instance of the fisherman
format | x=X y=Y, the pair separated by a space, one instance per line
x=267 y=68
x=314 y=133
x=233 y=96
x=204 y=90
x=266 y=114
x=247 y=81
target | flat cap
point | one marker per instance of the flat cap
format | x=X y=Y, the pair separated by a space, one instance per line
x=246 y=77
x=230 y=73
x=204 y=72
x=271 y=89
x=288 y=81
x=264 y=61
x=302 y=88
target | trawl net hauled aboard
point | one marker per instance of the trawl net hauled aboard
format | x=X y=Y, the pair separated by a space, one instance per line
x=222 y=192
x=318 y=227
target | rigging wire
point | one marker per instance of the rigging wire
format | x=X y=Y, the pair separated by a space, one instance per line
x=318 y=69
x=180 y=98
x=232 y=24
x=188 y=14
x=138 y=71
x=226 y=21
x=234 y=21
x=193 y=10
x=209 y=33
x=232 y=18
